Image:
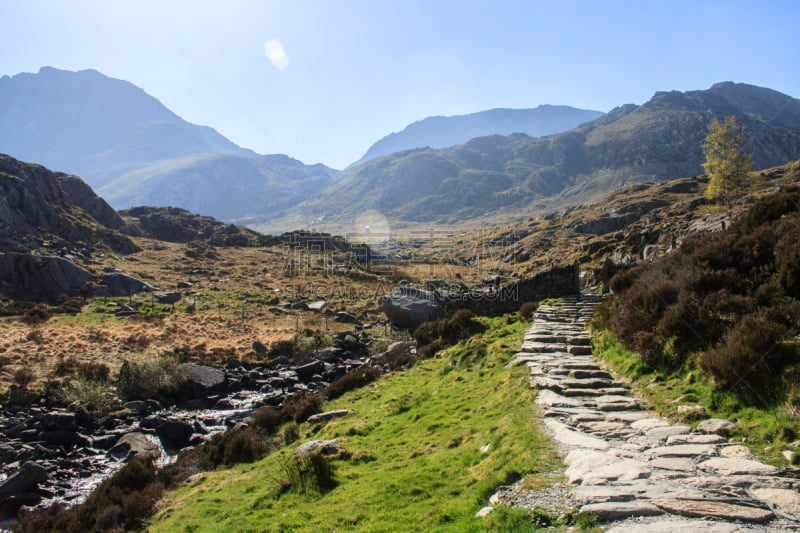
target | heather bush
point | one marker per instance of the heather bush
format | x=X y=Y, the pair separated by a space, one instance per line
x=750 y=356
x=527 y=309
x=731 y=297
x=353 y=380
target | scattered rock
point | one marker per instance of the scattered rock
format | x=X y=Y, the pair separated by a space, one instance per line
x=718 y=426
x=329 y=415
x=324 y=447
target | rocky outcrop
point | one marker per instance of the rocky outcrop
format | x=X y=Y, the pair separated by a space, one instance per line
x=37 y=205
x=173 y=224
x=41 y=277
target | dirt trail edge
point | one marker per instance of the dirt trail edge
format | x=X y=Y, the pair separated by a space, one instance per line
x=634 y=470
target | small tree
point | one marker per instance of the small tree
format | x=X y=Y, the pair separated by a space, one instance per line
x=726 y=166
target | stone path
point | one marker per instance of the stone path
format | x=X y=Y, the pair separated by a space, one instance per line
x=636 y=471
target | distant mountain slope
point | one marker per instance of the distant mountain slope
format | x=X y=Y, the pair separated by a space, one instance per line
x=441 y=132
x=94 y=126
x=518 y=175
x=135 y=151
x=226 y=186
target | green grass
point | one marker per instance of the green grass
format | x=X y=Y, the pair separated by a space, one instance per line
x=415 y=454
x=768 y=431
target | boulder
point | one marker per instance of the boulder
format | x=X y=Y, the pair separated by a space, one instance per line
x=307 y=371
x=408 y=308
x=317 y=306
x=41 y=277
x=134 y=443
x=168 y=297
x=323 y=447
x=175 y=434
x=119 y=284
x=24 y=481
x=201 y=381
x=259 y=348
x=346 y=318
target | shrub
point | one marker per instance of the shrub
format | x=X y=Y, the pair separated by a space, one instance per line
x=527 y=309
x=267 y=418
x=353 y=380
x=24 y=377
x=750 y=356
x=312 y=473
x=36 y=315
x=243 y=446
x=148 y=381
x=300 y=406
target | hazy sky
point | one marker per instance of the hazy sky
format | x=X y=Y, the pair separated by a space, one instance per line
x=321 y=80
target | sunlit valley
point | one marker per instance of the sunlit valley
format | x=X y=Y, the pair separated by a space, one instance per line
x=527 y=317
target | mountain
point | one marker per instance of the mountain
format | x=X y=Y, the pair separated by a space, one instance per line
x=135 y=151
x=226 y=186
x=518 y=175
x=441 y=132
x=94 y=126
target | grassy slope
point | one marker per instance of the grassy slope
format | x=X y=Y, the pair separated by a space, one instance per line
x=768 y=431
x=415 y=440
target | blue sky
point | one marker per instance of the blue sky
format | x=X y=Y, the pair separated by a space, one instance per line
x=321 y=80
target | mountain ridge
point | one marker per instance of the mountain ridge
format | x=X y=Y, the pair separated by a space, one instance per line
x=519 y=175
x=443 y=131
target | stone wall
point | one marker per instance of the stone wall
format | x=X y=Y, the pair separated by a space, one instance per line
x=558 y=281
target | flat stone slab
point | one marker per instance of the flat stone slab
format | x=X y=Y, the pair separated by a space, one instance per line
x=543 y=347
x=549 y=398
x=602 y=426
x=626 y=416
x=579 y=373
x=646 y=424
x=581 y=392
x=588 y=383
x=611 y=511
x=646 y=489
x=615 y=391
x=679 y=464
x=786 y=500
x=542 y=382
x=737 y=451
x=715 y=509
x=580 y=350
x=567 y=437
x=695 y=438
x=665 y=432
x=677 y=525
x=684 y=450
x=731 y=467
x=616 y=403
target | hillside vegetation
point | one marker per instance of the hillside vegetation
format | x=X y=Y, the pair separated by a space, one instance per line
x=717 y=321
x=424 y=450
